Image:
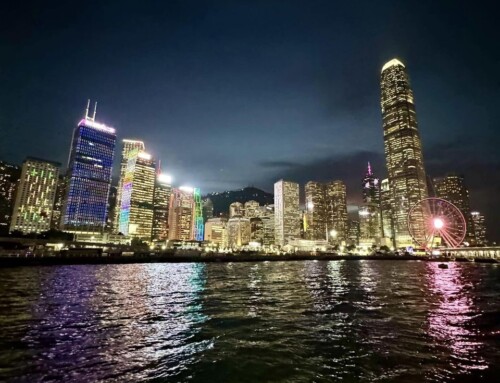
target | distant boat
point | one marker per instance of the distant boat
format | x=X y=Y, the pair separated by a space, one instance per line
x=443 y=266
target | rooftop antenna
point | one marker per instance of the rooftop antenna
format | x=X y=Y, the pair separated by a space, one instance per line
x=87 y=110
x=95 y=110
x=159 y=167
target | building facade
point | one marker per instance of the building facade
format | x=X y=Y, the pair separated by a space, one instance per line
x=386 y=212
x=128 y=146
x=239 y=232
x=161 y=201
x=369 y=213
x=216 y=232
x=452 y=189
x=286 y=212
x=89 y=177
x=403 y=149
x=35 y=197
x=316 y=212
x=55 y=223
x=9 y=178
x=137 y=196
x=479 y=225
x=336 y=210
x=181 y=214
x=236 y=209
x=251 y=209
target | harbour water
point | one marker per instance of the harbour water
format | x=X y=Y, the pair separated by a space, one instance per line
x=303 y=321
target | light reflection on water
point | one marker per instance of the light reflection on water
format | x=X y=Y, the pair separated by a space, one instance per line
x=273 y=321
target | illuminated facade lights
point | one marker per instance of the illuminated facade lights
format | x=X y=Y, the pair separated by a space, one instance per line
x=479 y=225
x=286 y=212
x=239 y=232
x=9 y=177
x=35 y=196
x=315 y=216
x=369 y=214
x=452 y=189
x=216 y=231
x=336 y=210
x=251 y=209
x=163 y=190
x=181 y=214
x=198 y=215
x=403 y=149
x=136 y=209
x=236 y=209
x=89 y=177
x=386 y=211
x=128 y=146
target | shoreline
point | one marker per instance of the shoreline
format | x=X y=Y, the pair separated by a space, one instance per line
x=224 y=258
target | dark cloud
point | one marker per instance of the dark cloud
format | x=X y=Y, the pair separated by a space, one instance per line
x=278 y=164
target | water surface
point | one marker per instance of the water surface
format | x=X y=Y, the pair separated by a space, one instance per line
x=313 y=321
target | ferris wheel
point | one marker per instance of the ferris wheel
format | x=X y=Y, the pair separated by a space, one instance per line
x=434 y=221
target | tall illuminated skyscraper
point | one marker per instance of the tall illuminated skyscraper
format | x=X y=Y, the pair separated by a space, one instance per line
x=127 y=146
x=136 y=209
x=316 y=212
x=369 y=213
x=452 y=189
x=35 y=196
x=163 y=189
x=403 y=148
x=239 y=231
x=336 y=210
x=386 y=211
x=181 y=214
x=89 y=176
x=286 y=212
x=479 y=228
x=9 y=177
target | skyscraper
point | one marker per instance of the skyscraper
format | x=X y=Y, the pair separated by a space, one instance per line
x=161 y=201
x=251 y=209
x=452 y=189
x=136 y=209
x=35 y=197
x=369 y=213
x=127 y=146
x=58 y=203
x=479 y=228
x=316 y=212
x=9 y=176
x=89 y=176
x=181 y=214
x=403 y=148
x=286 y=212
x=336 y=211
x=386 y=211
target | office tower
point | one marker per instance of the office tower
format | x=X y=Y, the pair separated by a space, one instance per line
x=239 y=231
x=55 y=222
x=181 y=214
x=286 y=212
x=316 y=212
x=89 y=176
x=336 y=210
x=236 y=209
x=386 y=211
x=136 y=209
x=452 y=189
x=216 y=231
x=208 y=209
x=112 y=207
x=251 y=209
x=369 y=213
x=161 y=201
x=479 y=228
x=403 y=149
x=353 y=233
x=35 y=197
x=257 y=230
x=127 y=147
x=9 y=177
x=199 y=225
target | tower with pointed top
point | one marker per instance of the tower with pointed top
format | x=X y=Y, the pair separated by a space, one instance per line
x=369 y=213
x=403 y=148
x=90 y=163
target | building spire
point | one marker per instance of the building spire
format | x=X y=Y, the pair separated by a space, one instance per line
x=95 y=111
x=369 y=169
x=87 y=109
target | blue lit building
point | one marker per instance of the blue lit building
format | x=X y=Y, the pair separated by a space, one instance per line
x=89 y=177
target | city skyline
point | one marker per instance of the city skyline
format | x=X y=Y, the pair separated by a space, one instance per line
x=336 y=129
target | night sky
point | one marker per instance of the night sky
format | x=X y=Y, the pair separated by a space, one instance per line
x=233 y=93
